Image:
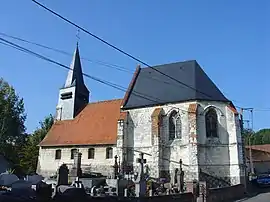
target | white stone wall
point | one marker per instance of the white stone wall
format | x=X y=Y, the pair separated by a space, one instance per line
x=222 y=156
x=65 y=108
x=49 y=165
x=140 y=137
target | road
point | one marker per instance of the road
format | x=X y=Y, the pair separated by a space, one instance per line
x=263 y=197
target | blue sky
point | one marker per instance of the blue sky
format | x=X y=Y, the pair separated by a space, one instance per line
x=229 y=39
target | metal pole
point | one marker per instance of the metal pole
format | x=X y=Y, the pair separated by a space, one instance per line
x=250 y=150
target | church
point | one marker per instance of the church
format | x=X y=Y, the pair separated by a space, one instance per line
x=185 y=118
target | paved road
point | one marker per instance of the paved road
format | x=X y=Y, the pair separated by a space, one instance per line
x=264 y=197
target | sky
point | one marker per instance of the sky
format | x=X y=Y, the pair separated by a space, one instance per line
x=229 y=39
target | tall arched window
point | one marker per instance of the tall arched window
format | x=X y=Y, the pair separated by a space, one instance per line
x=211 y=123
x=174 y=125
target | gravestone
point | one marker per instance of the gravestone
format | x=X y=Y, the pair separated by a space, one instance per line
x=76 y=170
x=140 y=182
x=34 y=179
x=62 y=175
x=7 y=179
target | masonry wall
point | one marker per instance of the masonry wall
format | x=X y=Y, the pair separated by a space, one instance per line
x=48 y=165
x=140 y=137
x=221 y=157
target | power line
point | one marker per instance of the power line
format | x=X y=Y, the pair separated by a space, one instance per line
x=116 y=48
x=116 y=86
x=102 y=63
x=99 y=62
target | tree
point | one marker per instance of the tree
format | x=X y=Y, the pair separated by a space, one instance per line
x=257 y=138
x=29 y=153
x=12 y=118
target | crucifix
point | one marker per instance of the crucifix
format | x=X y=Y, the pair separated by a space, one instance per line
x=180 y=177
x=141 y=161
x=115 y=173
x=78 y=36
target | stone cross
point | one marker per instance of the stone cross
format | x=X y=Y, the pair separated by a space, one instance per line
x=180 y=177
x=115 y=170
x=76 y=170
x=62 y=175
x=140 y=183
x=141 y=161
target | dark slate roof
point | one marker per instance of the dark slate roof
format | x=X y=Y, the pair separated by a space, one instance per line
x=149 y=88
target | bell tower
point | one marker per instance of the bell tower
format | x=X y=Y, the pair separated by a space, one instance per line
x=74 y=96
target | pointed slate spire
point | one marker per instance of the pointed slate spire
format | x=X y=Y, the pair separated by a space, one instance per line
x=74 y=96
x=75 y=74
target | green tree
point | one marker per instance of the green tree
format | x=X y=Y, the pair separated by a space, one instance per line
x=29 y=153
x=12 y=118
x=265 y=135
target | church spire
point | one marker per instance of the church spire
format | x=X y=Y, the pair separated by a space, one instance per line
x=75 y=74
x=74 y=96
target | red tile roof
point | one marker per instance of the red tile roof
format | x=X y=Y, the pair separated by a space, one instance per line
x=263 y=147
x=96 y=124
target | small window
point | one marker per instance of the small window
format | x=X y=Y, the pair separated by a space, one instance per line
x=72 y=154
x=109 y=153
x=91 y=153
x=58 y=154
x=211 y=123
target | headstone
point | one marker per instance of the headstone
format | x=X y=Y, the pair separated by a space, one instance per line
x=43 y=190
x=77 y=183
x=140 y=183
x=150 y=192
x=93 y=191
x=34 y=179
x=126 y=192
x=70 y=192
x=7 y=179
x=76 y=170
x=22 y=189
x=62 y=175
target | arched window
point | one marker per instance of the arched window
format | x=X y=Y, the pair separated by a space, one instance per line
x=91 y=153
x=58 y=154
x=174 y=126
x=109 y=153
x=72 y=153
x=211 y=123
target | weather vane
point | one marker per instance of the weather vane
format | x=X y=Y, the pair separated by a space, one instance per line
x=78 y=36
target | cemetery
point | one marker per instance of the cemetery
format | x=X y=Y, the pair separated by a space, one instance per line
x=73 y=185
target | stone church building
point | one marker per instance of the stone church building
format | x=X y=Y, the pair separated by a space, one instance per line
x=165 y=119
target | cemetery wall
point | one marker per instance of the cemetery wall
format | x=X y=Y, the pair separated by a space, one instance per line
x=48 y=165
x=232 y=193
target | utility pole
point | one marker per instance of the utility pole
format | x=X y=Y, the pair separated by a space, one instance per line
x=249 y=138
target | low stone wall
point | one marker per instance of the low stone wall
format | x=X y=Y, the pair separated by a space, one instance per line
x=232 y=193
x=186 y=197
